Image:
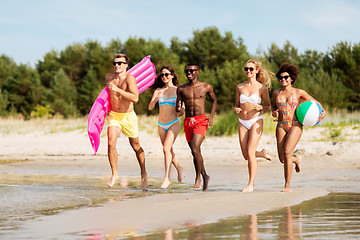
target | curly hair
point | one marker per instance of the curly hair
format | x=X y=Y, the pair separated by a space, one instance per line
x=292 y=70
x=263 y=76
x=159 y=82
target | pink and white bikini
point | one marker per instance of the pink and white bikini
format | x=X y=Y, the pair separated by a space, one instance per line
x=287 y=109
x=255 y=99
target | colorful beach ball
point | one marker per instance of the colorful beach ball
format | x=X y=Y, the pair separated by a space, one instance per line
x=308 y=113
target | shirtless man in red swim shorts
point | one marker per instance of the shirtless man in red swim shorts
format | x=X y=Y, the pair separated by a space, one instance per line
x=193 y=95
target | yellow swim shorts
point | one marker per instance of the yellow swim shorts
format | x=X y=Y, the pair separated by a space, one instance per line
x=127 y=122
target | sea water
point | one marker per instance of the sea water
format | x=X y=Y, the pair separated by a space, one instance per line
x=27 y=197
x=335 y=216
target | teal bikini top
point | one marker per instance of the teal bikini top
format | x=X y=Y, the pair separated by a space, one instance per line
x=171 y=101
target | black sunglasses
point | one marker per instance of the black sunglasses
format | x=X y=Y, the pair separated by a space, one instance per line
x=249 y=68
x=164 y=74
x=190 y=70
x=284 y=77
x=118 y=63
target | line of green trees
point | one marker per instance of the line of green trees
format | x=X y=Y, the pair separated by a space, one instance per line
x=68 y=82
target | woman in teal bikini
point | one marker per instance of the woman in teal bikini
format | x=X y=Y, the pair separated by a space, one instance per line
x=289 y=129
x=248 y=105
x=168 y=123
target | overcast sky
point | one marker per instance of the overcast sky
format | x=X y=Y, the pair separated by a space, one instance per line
x=31 y=28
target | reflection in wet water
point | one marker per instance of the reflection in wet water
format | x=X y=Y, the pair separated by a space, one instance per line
x=25 y=197
x=336 y=216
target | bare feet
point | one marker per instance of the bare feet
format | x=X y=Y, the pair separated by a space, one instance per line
x=144 y=182
x=112 y=180
x=179 y=172
x=197 y=185
x=297 y=165
x=166 y=183
x=206 y=182
x=286 y=189
x=123 y=181
x=266 y=155
x=249 y=188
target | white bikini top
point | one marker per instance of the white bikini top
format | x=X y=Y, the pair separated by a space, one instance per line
x=252 y=99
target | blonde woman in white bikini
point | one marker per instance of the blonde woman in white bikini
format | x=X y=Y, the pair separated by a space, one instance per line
x=168 y=123
x=248 y=105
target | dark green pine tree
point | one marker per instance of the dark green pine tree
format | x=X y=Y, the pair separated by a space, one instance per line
x=63 y=95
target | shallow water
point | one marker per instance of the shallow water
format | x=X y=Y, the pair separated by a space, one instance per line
x=335 y=216
x=26 y=197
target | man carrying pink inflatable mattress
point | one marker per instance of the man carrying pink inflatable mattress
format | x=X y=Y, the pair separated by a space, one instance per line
x=124 y=93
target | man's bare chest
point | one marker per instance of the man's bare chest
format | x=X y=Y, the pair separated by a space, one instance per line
x=119 y=83
x=194 y=94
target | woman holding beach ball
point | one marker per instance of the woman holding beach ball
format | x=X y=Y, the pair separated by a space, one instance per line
x=168 y=123
x=249 y=96
x=289 y=130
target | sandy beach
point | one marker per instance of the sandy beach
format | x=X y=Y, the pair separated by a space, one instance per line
x=327 y=166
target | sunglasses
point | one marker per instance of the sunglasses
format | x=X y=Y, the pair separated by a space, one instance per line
x=190 y=70
x=284 y=77
x=249 y=68
x=118 y=63
x=165 y=74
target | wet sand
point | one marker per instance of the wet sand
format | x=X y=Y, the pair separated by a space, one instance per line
x=176 y=210
x=326 y=166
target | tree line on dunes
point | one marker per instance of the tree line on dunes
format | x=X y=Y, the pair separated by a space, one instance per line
x=68 y=82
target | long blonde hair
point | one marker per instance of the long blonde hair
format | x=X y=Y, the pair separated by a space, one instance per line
x=263 y=76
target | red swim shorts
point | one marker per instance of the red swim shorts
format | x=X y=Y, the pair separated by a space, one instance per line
x=195 y=125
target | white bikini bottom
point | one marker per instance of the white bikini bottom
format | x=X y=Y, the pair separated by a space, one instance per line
x=248 y=123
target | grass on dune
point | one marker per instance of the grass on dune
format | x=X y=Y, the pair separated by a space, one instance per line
x=224 y=124
x=338 y=118
x=227 y=123
x=16 y=125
